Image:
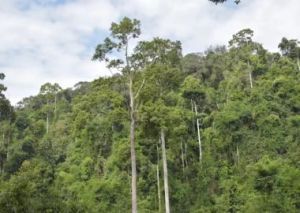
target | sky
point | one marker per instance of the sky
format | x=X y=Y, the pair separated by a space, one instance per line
x=53 y=40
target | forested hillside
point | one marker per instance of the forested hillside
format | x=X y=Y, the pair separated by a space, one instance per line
x=209 y=132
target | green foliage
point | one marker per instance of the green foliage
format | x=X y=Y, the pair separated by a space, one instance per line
x=250 y=135
x=6 y=110
x=121 y=34
x=290 y=48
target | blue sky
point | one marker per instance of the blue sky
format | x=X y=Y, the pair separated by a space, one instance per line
x=53 y=40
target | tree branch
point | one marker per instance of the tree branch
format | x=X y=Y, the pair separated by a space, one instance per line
x=139 y=90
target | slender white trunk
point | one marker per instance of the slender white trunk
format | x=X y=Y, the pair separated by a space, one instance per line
x=199 y=141
x=298 y=64
x=132 y=149
x=199 y=134
x=158 y=181
x=250 y=76
x=132 y=135
x=165 y=169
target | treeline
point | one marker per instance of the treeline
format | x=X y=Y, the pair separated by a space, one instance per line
x=206 y=132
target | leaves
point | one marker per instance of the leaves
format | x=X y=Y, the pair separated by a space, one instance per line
x=250 y=136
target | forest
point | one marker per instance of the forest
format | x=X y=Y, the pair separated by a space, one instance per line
x=214 y=131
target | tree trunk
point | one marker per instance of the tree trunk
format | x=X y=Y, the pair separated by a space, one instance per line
x=132 y=134
x=132 y=149
x=199 y=141
x=158 y=181
x=298 y=64
x=165 y=169
x=199 y=134
x=250 y=76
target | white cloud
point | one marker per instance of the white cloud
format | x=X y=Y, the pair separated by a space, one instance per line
x=48 y=44
x=52 y=40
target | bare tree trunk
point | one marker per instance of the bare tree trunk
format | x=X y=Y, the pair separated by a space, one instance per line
x=250 y=76
x=132 y=135
x=199 y=141
x=132 y=148
x=298 y=64
x=158 y=181
x=165 y=169
x=199 y=135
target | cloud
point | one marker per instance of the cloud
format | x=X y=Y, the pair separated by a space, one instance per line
x=200 y=23
x=53 y=40
x=42 y=44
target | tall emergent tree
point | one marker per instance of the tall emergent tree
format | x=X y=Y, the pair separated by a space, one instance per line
x=248 y=51
x=2 y=87
x=162 y=58
x=5 y=107
x=50 y=91
x=290 y=48
x=121 y=34
x=6 y=119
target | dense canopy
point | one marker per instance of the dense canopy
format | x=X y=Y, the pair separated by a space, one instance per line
x=210 y=132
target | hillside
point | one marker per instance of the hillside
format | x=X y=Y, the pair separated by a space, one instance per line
x=228 y=119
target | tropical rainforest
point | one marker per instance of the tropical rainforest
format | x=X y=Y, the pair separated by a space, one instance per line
x=216 y=131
